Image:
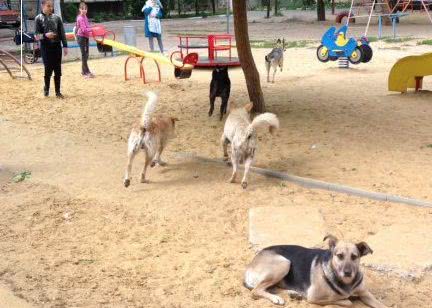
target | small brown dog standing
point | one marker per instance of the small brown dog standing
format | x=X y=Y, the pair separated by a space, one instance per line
x=151 y=135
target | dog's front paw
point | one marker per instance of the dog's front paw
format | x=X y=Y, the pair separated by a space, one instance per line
x=126 y=182
x=277 y=300
x=244 y=185
x=210 y=113
x=225 y=158
x=232 y=179
x=158 y=162
x=294 y=295
x=221 y=117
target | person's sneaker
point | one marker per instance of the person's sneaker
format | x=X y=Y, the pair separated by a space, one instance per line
x=59 y=95
x=46 y=92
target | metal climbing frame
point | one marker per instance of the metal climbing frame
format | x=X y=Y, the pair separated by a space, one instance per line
x=404 y=5
x=381 y=8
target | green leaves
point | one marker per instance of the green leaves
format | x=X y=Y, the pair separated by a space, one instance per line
x=22 y=176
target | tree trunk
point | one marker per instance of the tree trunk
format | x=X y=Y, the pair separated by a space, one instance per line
x=213 y=3
x=276 y=3
x=179 y=6
x=268 y=8
x=245 y=55
x=196 y=7
x=321 y=10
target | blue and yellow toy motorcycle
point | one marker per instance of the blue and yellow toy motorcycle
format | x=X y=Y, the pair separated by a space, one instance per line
x=335 y=45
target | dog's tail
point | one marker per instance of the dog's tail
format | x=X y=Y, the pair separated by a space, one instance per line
x=267 y=119
x=149 y=109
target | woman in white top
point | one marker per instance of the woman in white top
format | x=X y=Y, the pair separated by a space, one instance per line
x=152 y=26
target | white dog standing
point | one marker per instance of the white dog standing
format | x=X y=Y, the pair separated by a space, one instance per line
x=240 y=132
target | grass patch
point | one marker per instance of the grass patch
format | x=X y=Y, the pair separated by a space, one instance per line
x=21 y=176
x=388 y=39
x=397 y=40
x=425 y=42
x=272 y=44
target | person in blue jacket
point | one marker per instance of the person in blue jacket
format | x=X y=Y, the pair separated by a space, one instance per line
x=152 y=26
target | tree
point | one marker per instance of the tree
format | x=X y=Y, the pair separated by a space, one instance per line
x=213 y=3
x=268 y=8
x=321 y=10
x=196 y=7
x=179 y=6
x=245 y=55
x=276 y=4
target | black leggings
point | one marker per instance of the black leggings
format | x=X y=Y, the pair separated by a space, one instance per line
x=83 y=43
x=52 y=58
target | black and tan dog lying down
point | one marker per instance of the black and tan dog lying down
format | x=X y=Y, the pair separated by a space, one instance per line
x=321 y=276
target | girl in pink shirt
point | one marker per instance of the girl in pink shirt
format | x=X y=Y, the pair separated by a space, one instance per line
x=83 y=32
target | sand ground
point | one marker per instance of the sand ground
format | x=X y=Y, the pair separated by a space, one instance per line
x=73 y=236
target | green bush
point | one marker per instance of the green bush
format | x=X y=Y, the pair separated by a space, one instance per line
x=132 y=8
x=425 y=42
x=69 y=12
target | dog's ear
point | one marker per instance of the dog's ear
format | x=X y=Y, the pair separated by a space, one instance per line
x=332 y=240
x=278 y=41
x=364 y=249
x=249 y=107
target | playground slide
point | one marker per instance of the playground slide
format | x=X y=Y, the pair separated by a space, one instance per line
x=409 y=71
x=156 y=56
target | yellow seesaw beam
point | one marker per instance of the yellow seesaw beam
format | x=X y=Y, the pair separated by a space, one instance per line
x=141 y=53
x=404 y=71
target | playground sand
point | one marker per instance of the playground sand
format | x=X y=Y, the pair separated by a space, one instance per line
x=71 y=235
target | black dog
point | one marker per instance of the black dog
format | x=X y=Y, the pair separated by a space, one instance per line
x=220 y=86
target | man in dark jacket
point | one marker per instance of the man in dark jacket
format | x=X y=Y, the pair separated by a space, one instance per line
x=51 y=35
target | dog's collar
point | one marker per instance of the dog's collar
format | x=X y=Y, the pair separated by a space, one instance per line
x=335 y=284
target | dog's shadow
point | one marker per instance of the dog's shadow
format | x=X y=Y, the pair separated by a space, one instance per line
x=295 y=296
x=180 y=173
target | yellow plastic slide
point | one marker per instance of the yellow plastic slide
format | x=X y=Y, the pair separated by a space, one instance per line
x=138 y=52
x=409 y=71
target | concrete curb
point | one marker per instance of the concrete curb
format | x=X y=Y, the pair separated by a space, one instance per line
x=311 y=183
